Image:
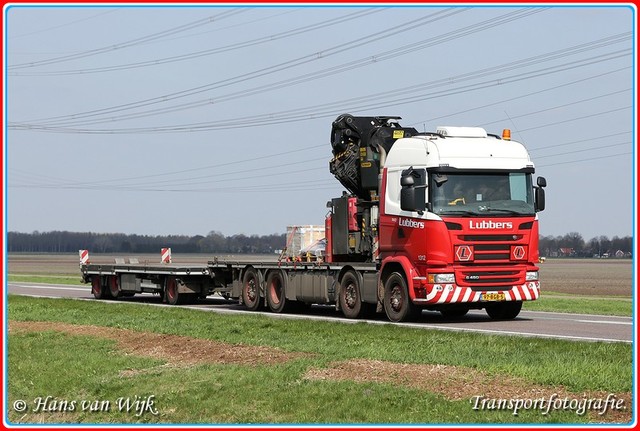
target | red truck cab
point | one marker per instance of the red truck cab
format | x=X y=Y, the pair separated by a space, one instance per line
x=458 y=223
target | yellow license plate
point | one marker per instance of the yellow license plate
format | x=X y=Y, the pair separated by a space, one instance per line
x=492 y=297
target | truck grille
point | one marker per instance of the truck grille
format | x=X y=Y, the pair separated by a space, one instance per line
x=498 y=279
x=490 y=248
x=480 y=273
x=491 y=252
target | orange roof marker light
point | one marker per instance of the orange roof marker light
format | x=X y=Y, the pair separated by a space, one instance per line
x=506 y=134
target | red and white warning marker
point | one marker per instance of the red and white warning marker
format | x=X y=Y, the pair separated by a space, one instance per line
x=84 y=256
x=166 y=255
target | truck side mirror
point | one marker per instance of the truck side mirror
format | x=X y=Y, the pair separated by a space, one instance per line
x=539 y=193
x=412 y=194
x=542 y=182
x=407 y=180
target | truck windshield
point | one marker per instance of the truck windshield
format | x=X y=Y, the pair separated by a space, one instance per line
x=500 y=193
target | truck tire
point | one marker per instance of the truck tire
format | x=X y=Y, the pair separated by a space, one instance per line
x=504 y=310
x=251 y=289
x=114 y=286
x=99 y=291
x=171 y=295
x=350 y=300
x=275 y=292
x=397 y=303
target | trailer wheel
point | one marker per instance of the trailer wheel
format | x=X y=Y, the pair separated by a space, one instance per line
x=350 y=299
x=99 y=291
x=504 y=310
x=397 y=303
x=251 y=289
x=114 y=286
x=171 y=294
x=276 y=298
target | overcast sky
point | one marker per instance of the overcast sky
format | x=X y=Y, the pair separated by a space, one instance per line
x=185 y=120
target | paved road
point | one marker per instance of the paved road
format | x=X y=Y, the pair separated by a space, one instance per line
x=529 y=323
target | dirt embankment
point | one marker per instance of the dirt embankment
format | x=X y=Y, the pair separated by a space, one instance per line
x=176 y=350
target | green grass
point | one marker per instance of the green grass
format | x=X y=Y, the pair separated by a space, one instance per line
x=48 y=279
x=77 y=367
x=581 y=304
x=213 y=393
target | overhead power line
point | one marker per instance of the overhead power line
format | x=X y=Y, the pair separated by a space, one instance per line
x=28 y=180
x=55 y=27
x=579 y=141
x=256 y=74
x=35 y=180
x=305 y=114
x=583 y=150
x=600 y=157
x=402 y=50
x=154 y=36
x=397 y=94
x=565 y=84
x=583 y=117
x=209 y=52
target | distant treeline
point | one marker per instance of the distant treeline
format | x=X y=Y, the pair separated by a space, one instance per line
x=569 y=245
x=573 y=245
x=71 y=242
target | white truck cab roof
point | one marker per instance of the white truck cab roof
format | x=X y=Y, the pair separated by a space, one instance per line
x=459 y=148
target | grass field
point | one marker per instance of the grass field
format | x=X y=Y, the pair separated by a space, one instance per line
x=125 y=363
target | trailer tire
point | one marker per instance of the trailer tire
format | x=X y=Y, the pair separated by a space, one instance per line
x=171 y=295
x=98 y=289
x=504 y=310
x=276 y=292
x=251 y=289
x=397 y=303
x=114 y=286
x=350 y=299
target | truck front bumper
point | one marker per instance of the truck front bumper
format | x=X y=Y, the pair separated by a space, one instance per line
x=454 y=294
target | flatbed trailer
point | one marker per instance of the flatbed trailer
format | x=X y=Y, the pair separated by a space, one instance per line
x=278 y=286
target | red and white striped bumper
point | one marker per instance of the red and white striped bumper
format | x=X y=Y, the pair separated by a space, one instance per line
x=452 y=294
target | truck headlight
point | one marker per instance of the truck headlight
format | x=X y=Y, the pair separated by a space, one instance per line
x=532 y=276
x=442 y=278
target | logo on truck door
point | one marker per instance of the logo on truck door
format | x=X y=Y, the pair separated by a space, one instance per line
x=413 y=224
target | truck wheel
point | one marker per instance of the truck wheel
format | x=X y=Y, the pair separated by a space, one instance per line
x=397 y=304
x=504 y=310
x=275 y=292
x=114 y=286
x=98 y=290
x=350 y=300
x=251 y=290
x=171 y=294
